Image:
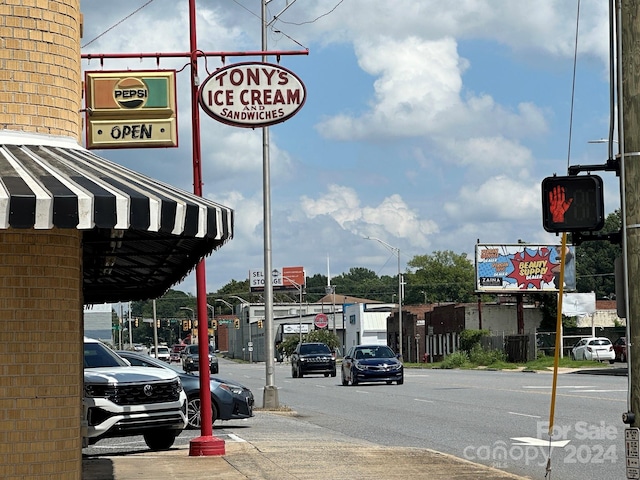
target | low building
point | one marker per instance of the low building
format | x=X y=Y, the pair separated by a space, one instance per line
x=98 y=322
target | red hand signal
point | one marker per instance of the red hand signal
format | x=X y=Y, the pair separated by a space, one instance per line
x=558 y=205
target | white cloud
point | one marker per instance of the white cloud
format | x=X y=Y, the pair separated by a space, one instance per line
x=499 y=198
x=392 y=217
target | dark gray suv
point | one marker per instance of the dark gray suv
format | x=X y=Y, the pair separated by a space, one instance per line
x=190 y=359
x=310 y=358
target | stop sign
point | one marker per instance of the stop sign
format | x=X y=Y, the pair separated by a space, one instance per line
x=321 y=320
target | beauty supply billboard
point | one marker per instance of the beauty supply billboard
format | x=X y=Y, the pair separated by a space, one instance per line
x=523 y=267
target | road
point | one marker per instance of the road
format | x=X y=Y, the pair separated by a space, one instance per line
x=494 y=418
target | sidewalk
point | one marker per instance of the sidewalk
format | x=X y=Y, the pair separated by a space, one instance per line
x=280 y=447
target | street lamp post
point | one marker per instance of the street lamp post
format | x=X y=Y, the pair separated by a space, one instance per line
x=235 y=337
x=396 y=251
x=299 y=288
x=213 y=319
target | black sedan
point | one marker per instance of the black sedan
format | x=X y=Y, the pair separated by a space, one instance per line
x=229 y=400
x=371 y=363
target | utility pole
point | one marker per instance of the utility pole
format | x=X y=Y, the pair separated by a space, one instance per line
x=629 y=111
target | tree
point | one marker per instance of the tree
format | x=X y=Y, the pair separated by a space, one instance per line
x=443 y=276
x=289 y=344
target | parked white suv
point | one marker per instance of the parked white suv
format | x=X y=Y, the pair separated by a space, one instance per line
x=120 y=400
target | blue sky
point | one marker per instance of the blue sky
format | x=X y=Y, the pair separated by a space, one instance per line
x=427 y=124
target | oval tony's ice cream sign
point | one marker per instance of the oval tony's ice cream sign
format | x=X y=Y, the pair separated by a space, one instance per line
x=252 y=94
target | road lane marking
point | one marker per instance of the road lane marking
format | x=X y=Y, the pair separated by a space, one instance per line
x=423 y=400
x=539 y=442
x=236 y=438
x=524 y=415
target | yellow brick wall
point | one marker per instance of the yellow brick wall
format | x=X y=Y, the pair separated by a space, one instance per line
x=40 y=71
x=40 y=354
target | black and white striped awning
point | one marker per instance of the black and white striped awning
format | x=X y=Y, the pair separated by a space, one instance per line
x=141 y=236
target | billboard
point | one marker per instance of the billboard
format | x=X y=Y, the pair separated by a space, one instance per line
x=523 y=267
x=285 y=278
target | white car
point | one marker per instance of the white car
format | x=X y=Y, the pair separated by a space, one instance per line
x=594 y=348
x=121 y=400
x=164 y=353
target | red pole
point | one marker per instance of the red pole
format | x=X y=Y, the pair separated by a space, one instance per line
x=206 y=444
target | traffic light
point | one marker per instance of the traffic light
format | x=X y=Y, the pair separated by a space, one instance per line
x=236 y=322
x=259 y=323
x=185 y=325
x=572 y=204
x=157 y=323
x=214 y=323
x=135 y=323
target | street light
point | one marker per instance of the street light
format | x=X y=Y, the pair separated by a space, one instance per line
x=396 y=251
x=225 y=302
x=299 y=288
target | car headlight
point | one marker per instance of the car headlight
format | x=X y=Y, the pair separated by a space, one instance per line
x=231 y=388
x=358 y=366
x=302 y=359
x=179 y=385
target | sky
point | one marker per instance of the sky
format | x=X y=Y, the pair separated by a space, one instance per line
x=427 y=125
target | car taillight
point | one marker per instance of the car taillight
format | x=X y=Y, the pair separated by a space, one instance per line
x=589 y=349
x=611 y=348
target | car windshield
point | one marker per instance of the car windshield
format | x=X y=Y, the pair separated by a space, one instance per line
x=374 y=352
x=98 y=355
x=311 y=349
x=193 y=349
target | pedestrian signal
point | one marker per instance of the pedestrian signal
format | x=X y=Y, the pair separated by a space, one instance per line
x=572 y=204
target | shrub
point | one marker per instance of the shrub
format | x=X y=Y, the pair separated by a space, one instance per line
x=455 y=360
x=470 y=338
x=480 y=356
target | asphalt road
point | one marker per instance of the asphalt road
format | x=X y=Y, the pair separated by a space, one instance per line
x=498 y=419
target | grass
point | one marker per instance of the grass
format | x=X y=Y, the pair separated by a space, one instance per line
x=543 y=363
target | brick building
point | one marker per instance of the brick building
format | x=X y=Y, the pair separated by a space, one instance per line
x=70 y=234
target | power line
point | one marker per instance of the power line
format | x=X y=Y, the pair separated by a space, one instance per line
x=116 y=24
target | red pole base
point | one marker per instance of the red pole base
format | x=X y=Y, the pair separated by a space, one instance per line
x=206 y=447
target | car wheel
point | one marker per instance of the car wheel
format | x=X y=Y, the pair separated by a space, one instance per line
x=333 y=373
x=294 y=372
x=300 y=374
x=194 y=418
x=160 y=439
x=573 y=357
x=389 y=382
x=326 y=374
x=623 y=357
x=401 y=381
x=214 y=369
x=345 y=382
x=354 y=380
x=611 y=362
